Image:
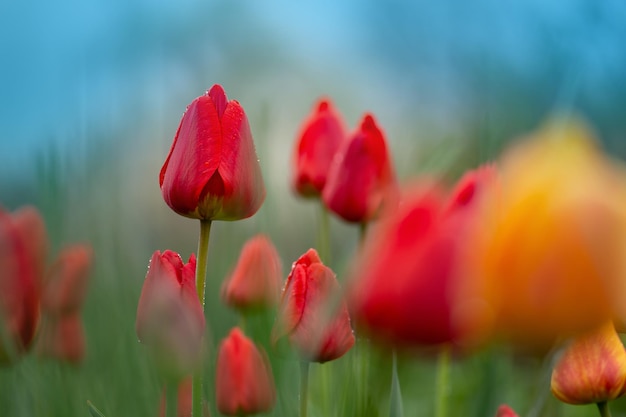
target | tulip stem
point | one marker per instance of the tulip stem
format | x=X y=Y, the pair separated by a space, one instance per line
x=603 y=407
x=362 y=232
x=304 y=387
x=396 y=408
x=171 y=399
x=442 y=384
x=323 y=237
x=201 y=268
x=203 y=252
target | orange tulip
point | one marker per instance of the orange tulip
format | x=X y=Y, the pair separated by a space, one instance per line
x=256 y=280
x=546 y=252
x=361 y=178
x=320 y=331
x=62 y=334
x=320 y=138
x=592 y=368
x=212 y=171
x=170 y=320
x=243 y=382
x=23 y=249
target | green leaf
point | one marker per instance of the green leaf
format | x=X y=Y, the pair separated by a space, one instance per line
x=93 y=410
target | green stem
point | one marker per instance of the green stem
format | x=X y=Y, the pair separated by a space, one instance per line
x=304 y=387
x=362 y=232
x=443 y=377
x=323 y=235
x=201 y=268
x=171 y=399
x=603 y=407
x=395 y=401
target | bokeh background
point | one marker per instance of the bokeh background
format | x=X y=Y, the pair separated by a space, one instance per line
x=91 y=94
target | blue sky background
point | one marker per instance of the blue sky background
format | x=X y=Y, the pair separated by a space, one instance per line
x=74 y=72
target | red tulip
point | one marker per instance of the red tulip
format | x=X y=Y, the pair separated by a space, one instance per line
x=243 y=382
x=361 y=177
x=319 y=330
x=184 y=403
x=403 y=286
x=212 y=171
x=170 y=320
x=320 y=138
x=505 y=411
x=23 y=249
x=62 y=334
x=256 y=280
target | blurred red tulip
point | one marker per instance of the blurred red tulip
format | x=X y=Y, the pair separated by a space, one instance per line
x=403 y=285
x=170 y=320
x=212 y=171
x=256 y=280
x=184 y=404
x=243 y=381
x=61 y=335
x=592 y=369
x=505 y=411
x=361 y=177
x=23 y=249
x=320 y=138
x=311 y=314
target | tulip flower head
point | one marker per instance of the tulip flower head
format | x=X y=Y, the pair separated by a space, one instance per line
x=592 y=369
x=319 y=330
x=505 y=411
x=256 y=280
x=62 y=335
x=405 y=285
x=546 y=250
x=243 y=382
x=170 y=320
x=212 y=171
x=321 y=136
x=361 y=176
x=23 y=249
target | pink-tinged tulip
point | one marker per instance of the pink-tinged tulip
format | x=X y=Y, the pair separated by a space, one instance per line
x=361 y=178
x=311 y=314
x=170 y=320
x=212 y=171
x=62 y=334
x=592 y=368
x=184 y=404
x=546 y=253
x=404 y=286
x=321 y=136
x=257 y=278
x=505 y=411
x=243 y=381
x=23 y=249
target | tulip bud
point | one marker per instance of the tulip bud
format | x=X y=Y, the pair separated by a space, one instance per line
x=62 y=334
x=256 y=280
x=505 y=411
x=170 y=320
x=360 y=179
x=309 y=315
x=243 y=382
x=23 y=249
x=592 y=368
x=320 y=138
x=212 y=171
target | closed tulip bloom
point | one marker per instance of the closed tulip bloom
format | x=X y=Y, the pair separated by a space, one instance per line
x=361 y=177
x=170 y=320
x=212 y=171
x=592 y=369
x=243 y=382
x=23 y=249
x=257 y=278
x=546 y=254
x=320 y=138
x=403 y=286
x=505 y=411
x=61 y=334
x=311 y=314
